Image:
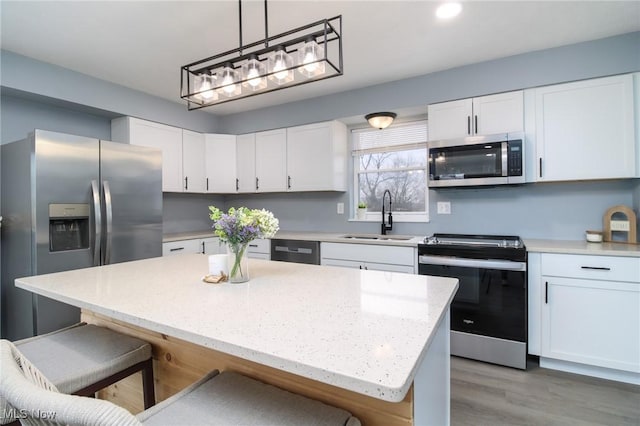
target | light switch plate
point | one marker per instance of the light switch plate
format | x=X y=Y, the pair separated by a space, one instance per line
x=444 y=207
x=340 y=208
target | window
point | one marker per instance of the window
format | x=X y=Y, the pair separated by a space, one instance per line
x=395 y=159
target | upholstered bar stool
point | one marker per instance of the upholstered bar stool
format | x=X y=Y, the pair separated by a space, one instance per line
x=225 y=398
x=84 y=358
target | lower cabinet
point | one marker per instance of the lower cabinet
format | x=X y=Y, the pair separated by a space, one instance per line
x=584 y=314
x=369 y=257
x=211 y=245
x=259 y=249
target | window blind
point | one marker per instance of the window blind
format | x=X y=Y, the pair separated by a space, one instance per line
x=401 y=136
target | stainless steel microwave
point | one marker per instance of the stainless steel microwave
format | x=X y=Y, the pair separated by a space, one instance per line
x=477 y=160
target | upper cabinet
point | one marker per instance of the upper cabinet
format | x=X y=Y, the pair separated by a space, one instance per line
x=155 y=135
x=585 y=130
x=317 y=157
x=485 y=115
x=246 y=163
x=220 y=164
x=193 y=162
x=271 y=161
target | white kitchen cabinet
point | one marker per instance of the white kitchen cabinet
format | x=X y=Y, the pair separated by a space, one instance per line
x=485 y=115
x=368 y=256
x=585 y=130
x=180 y=247
x=271 y=161
x=220 y=163
x=168 y=139
x=246 y=162
x=259 y=249
x=193 y=162
x=209 y=245
x=317 y=157
x=590 y=315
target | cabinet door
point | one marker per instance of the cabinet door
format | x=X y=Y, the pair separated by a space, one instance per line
x=585 y=130
x=220 y=163
x=210 y=245
x=450 y=119
x=342 y=263
x=169 y=140
x=592 y=322
x=193 y=153
x=271 y=161
x=501 y=113
x=316 y=157
x=246 y=162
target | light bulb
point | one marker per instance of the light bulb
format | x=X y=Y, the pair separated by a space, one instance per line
x=227 y=83
x=309 y=60
x=253 y=77
x=280 y=68
x=204 y=87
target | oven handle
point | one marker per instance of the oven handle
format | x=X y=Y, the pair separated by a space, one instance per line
x=502 y=265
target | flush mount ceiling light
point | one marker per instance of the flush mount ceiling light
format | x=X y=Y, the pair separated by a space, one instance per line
x=302 y=55
x=448 y=10
x=380 y=120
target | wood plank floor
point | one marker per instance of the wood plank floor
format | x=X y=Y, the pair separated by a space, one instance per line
x=486 y=394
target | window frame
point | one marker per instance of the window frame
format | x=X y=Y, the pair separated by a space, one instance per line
x=418 y=217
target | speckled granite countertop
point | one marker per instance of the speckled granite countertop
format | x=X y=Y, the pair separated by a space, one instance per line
x=365 y=331
x=326 y=237
x=582 y=247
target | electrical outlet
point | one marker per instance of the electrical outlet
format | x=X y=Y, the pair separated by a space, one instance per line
x=620 y=225
x=444 y=207
x=340 y=208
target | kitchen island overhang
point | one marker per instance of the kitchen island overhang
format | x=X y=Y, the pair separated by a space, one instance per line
x=368 y=332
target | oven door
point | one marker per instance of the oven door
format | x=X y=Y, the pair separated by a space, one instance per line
x=491 y=298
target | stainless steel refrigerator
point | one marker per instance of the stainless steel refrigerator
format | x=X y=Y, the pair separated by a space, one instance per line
x=71 y=202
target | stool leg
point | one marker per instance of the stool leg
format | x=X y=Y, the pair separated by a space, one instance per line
x=148 y=387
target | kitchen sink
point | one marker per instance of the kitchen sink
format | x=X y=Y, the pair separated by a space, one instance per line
x=376 y=237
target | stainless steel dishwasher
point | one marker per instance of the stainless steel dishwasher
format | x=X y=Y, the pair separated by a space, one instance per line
x=296 y=251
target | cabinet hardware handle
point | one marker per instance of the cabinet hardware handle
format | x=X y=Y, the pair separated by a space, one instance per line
x=596 y=268
x=366 y=269
x=476 y=123
x=257 y=184
x=360 y=266
x=546 y=292
x=253 y=245
x=186 y=182
x=203 y=247
x=237 y=184
x=207 y=184
x=177 y=249
x=540 y=166
x=468 y=124
x=288 y=182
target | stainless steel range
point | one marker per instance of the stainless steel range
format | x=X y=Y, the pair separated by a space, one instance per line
x=489 y=311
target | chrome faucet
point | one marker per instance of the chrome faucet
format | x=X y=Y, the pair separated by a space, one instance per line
x=386 y=227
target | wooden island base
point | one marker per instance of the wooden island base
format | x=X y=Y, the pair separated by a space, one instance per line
x=178 y=363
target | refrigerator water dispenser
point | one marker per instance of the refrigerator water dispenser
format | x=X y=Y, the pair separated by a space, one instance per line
x=68 y=227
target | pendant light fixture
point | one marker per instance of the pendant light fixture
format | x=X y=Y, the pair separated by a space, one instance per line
x=302 y=55
x=380 y=120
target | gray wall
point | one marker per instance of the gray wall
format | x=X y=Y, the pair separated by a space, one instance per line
x=188 y=212
x=23 y=74
x=544 y=210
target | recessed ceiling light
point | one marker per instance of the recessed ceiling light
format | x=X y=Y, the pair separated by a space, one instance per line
x=448 y=10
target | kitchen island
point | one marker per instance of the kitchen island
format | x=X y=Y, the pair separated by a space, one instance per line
x=375 y=343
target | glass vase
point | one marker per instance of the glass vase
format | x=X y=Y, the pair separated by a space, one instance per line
x=238 y=263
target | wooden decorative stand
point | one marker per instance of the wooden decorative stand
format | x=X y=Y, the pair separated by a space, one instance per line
x=627 y=225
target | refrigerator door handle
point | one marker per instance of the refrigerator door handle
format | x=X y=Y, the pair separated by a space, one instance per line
x=109 y=219
x=97 y=214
